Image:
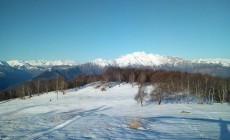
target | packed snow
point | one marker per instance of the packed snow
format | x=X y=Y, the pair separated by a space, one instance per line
x=92 y=113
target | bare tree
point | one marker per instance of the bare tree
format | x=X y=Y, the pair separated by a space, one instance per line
x=142 y=78
x=132 y=77
x=158 y=93
x=28 y=89
x=119 y=76
x=10 y=93
x=46 y=86
x=141 y=95
x=21 y=91
x=63 y=85
x=57 y=86
x=224 y=88
x=38 y=86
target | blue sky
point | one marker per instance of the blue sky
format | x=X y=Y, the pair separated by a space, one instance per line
x=83 y=30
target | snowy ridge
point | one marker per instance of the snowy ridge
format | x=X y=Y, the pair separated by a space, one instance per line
x=140 y=59
x=149 y=60
x=221 y=61
x=33 y=64
x=100 y=62
x=136 y=59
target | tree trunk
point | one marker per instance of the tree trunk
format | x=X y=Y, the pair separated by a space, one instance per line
x=159 y=101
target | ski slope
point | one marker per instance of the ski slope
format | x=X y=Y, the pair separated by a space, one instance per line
x=89 y=113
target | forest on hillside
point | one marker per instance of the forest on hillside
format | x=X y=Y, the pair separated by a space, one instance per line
x=206 y=88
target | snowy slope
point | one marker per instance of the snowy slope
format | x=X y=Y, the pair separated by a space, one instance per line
x=90 y=113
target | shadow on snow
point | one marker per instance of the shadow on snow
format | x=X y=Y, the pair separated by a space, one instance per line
x=224 y=132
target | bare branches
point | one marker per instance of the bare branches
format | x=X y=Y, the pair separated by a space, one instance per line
x=141 y=95
x=205 y=87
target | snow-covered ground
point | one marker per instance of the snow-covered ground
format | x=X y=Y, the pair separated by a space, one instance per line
x=90 y=113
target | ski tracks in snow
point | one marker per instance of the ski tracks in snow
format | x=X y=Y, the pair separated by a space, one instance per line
x=38 y=135
x=194 y=127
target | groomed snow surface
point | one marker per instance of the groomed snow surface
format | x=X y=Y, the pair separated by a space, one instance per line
x=89 y=113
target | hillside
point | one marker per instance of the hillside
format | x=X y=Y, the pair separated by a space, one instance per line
x=89 y=113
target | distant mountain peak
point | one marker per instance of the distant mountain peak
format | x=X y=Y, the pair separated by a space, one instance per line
x=220 y=61
x=146 y=60
x=135 y=59
x=35 y=64
x=143 y=59
x=100 y=62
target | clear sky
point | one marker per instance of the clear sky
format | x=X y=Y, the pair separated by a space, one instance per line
x=83 y=30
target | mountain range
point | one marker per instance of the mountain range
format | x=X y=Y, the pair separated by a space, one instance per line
x=17 y=71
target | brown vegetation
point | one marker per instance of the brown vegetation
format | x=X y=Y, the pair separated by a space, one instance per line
x=166 y=83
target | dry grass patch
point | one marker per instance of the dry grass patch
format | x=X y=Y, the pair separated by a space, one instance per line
x=185 y=112
x=135 y=123
x=97 y=87
x=103 y=89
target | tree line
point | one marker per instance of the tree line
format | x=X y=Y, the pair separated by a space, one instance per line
x=206 y=88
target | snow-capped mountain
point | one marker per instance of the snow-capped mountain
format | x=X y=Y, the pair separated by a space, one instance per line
x=136 y=59
x=11 y=76
x=39 y=64
x=220 y=61
x=146 y=60
x=214 y=67
x=100 y=62
x=142 y=59
x=27 y=70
